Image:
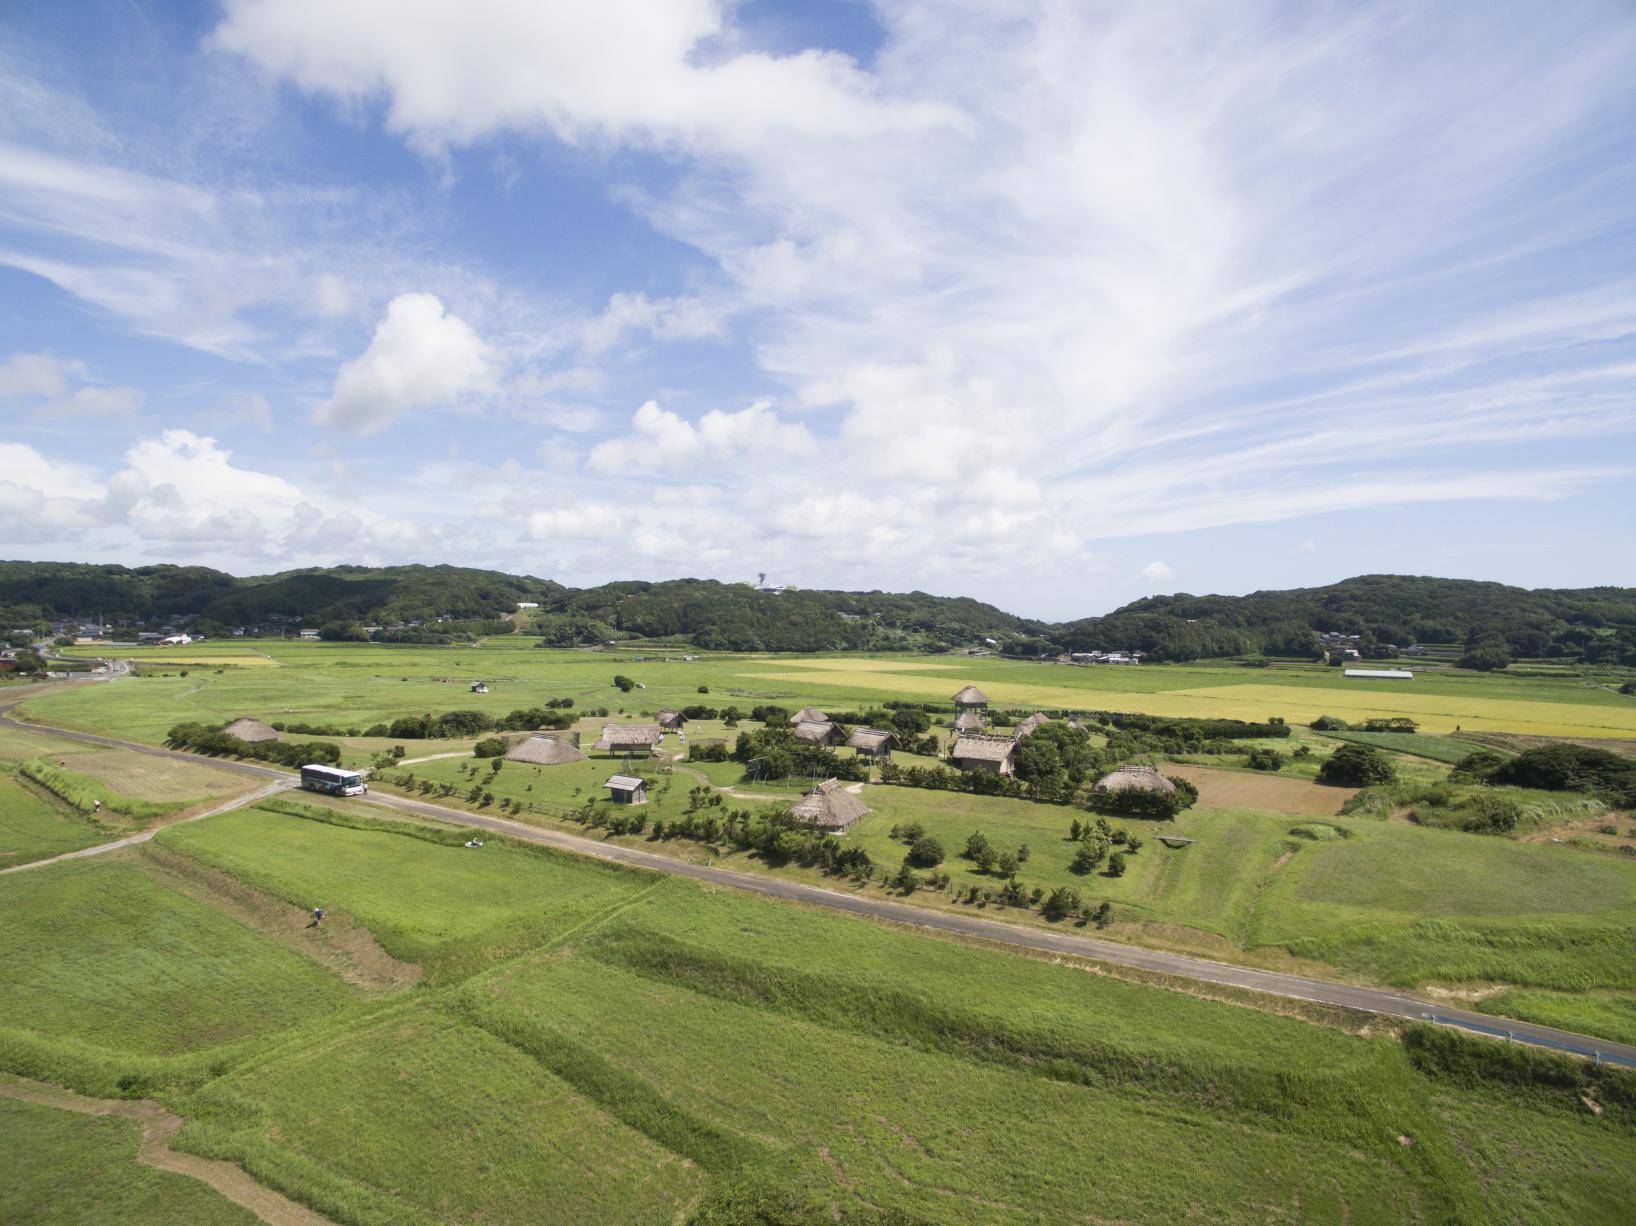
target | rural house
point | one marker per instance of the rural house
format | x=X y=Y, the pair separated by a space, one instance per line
x=971 y=699
x=969 y=721
x=670 y=720
x=872 y=741
x=627 y=790
x=250 y=730
x=979 y=752
x=829 y=806
x=817 y=733
x=809 y=715
x=1024 y=727
x=542 y=749
x=629 y=738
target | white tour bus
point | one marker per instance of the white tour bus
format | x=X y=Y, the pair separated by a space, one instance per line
x=333 y=780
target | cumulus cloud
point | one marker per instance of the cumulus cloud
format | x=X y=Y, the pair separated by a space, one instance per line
x=661 y=439
x=421 y=357
x=1155 y=573
x=53 y=389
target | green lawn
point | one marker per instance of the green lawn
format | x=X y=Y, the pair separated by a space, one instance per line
x=65 y=1169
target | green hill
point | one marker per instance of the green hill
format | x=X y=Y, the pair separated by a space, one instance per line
x=1596 y=624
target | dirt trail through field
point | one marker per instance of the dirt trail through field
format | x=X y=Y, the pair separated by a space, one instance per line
x=158 y=1127
x=100 y=849
x=1219 y=789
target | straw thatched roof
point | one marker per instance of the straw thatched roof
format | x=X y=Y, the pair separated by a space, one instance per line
x=815 y=732
x=629 y=736
x=971 y=696
x=871 y=740
x=1135 y=776
x=1024 y=727
x=809 y=715
x=969 y=721
x=976 y=748
x=544 y=750
x=252 y=730
x=829 y=806
x=669 y=719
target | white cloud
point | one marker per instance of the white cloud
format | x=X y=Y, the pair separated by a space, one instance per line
x=1155 y=573
x=665 y=318
x=661 y=439
x=420 y=358
x=52 y=389
x=618 y=70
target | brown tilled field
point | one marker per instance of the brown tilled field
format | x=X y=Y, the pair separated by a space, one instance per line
x=1219 y=789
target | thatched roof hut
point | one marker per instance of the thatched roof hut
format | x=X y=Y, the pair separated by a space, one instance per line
x=1135 y=775
x=1025 y=726
x=829 y=806
x=815 y=732
x=669 y=719
x=971 y=696
x=990 y=753
x=629 y=738
x=809 y=715
x=543 y=749
x=251 y=730
x=872 y=741
x=970 y=721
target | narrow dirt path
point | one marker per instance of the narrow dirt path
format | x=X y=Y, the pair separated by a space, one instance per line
x=130 y=840
x=434 y=757
x=158 y=1127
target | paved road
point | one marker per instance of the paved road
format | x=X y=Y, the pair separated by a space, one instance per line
x=1321 y=991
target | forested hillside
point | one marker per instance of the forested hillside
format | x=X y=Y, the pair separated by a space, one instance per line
x=1598 y=622
x=1491 y=621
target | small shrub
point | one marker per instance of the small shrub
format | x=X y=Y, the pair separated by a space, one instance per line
x=491 y=747
x=925 y=852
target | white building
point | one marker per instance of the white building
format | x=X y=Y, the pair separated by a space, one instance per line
x=1380 y=674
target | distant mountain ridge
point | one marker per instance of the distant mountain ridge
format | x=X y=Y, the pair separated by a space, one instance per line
x=1598 y=622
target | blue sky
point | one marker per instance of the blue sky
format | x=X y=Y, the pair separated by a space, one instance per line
x=1054 y=305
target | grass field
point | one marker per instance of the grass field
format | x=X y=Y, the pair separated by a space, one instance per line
x=447 y=907
x=63 y=1169
x=33 y=827
x=622 y=1047
x=589 y=1043
x=99 y=954
x=1417 y=744
x=357 y=685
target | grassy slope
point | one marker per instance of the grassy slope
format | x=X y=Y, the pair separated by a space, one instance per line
x=70 y=1169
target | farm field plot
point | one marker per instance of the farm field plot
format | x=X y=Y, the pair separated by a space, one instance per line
x=1436 y=748
x=1254 y=701
x=152 y=778
x=66 y=1169
x=436 y=903
x=34 y=828
x=99 y=953
x=1220 y=789
x=357 y=685
x=423 y=1118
